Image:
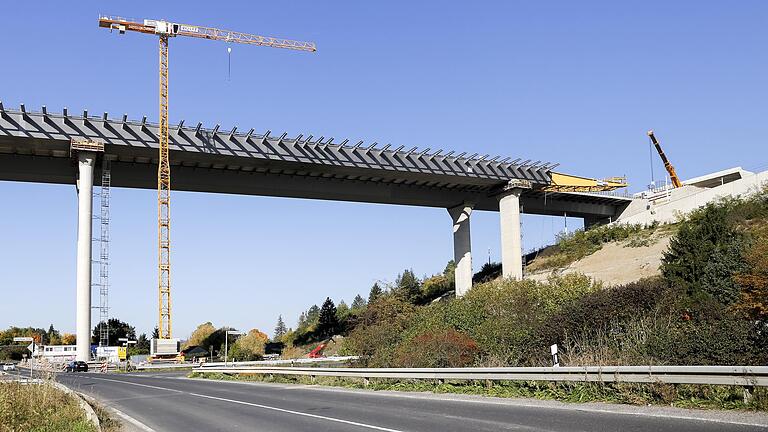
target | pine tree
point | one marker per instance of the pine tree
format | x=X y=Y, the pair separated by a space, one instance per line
x=407 y=286
x=342 y=311
x=358 y=303
x=53 y=336
x=280 y=328
x=156 y=333
x=312 y=314
x=328 y=323
x=375 y=293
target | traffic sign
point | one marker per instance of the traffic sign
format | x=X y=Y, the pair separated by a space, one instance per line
x=31 y=347
x=23 y=339
x=122 y=353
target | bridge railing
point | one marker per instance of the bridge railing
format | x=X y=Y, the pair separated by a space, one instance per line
x=719 y=375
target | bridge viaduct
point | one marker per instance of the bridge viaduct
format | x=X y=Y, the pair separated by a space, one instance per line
x=35 y=147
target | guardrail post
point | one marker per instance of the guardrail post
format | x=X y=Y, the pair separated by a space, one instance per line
x=747 y=391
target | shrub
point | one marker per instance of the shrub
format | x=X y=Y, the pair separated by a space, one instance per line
x=442 y=348
x=435 y=287
x=488 y=271
x=379 y=330
x=724 y=341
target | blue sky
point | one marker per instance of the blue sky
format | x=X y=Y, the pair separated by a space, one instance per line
x=573 y=82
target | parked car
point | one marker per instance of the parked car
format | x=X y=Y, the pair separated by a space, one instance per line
x=9 y=367
x=76 y=366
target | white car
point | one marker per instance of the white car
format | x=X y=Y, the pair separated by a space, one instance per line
x=9 y=366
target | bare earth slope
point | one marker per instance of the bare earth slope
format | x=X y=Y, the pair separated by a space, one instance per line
x=616 y=263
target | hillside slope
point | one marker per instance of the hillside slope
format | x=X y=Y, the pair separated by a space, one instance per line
x=616 y=262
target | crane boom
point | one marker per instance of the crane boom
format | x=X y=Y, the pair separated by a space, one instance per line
x=166 y=30
x=667 y=164
x=176 y=29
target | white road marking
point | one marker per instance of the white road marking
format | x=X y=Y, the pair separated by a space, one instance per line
x=266 y=407
x=131 y=420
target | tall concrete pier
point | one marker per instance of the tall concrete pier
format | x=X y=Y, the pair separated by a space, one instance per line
x=462 y=247
x=511 y=240
x=85 y=162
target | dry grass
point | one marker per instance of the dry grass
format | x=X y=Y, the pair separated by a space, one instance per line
x=39 y=408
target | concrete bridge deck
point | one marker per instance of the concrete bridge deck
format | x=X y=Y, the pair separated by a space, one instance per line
x=34 y=146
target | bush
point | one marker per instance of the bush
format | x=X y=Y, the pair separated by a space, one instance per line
x=379 y=331
x=727 y=341
x=442 y=348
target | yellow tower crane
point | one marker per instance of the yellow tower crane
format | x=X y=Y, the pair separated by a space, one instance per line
x=165 y=30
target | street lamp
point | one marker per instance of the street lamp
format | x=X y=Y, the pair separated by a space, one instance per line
x=226 y=343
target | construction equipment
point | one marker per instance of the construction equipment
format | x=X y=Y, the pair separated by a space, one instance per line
x=570 y=183
x=667 y=165
x=318 y=351
x=165 y=30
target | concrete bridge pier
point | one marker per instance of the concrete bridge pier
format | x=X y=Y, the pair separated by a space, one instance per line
x=462 y=247
x=511 y=240
x=85 y=163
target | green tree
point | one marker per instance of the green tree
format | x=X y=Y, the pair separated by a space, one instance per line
x=408 y=286
x=375 y=293
x=53 y=336
x=342 y=311
x=706 y=253
x=117 y=330
x=142 y=344
x=358 y=304
x=280 y=328
x=155 y=333
x=328 y=323
x=313 y=314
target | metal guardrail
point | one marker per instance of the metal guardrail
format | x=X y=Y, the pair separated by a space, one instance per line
x=230 y=365
x=720 y=375
x=287 y=362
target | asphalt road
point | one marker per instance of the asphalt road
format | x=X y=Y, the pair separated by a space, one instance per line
x=170 y=402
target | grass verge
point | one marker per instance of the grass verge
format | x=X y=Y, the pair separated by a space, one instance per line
x=680 y=395
x=40 y=408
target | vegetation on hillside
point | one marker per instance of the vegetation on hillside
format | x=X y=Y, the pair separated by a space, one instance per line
x=709 y=306
x=578 y=244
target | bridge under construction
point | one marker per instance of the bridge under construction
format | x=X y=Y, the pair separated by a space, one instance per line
x=37 y=146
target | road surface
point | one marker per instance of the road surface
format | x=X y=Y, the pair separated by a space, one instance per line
x=171 y=402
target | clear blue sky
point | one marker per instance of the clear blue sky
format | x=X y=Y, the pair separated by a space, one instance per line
x=574 y=82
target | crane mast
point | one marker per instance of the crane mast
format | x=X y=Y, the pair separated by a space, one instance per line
x=667 y=164
x=166 y=30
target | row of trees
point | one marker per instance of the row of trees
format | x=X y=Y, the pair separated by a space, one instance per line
x=246 y=347
x=319 y=323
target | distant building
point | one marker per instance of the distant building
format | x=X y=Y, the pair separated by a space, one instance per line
x=195 y=353
x=57 y=353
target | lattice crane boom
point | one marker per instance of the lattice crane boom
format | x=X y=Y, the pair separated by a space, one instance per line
x=165 y=30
